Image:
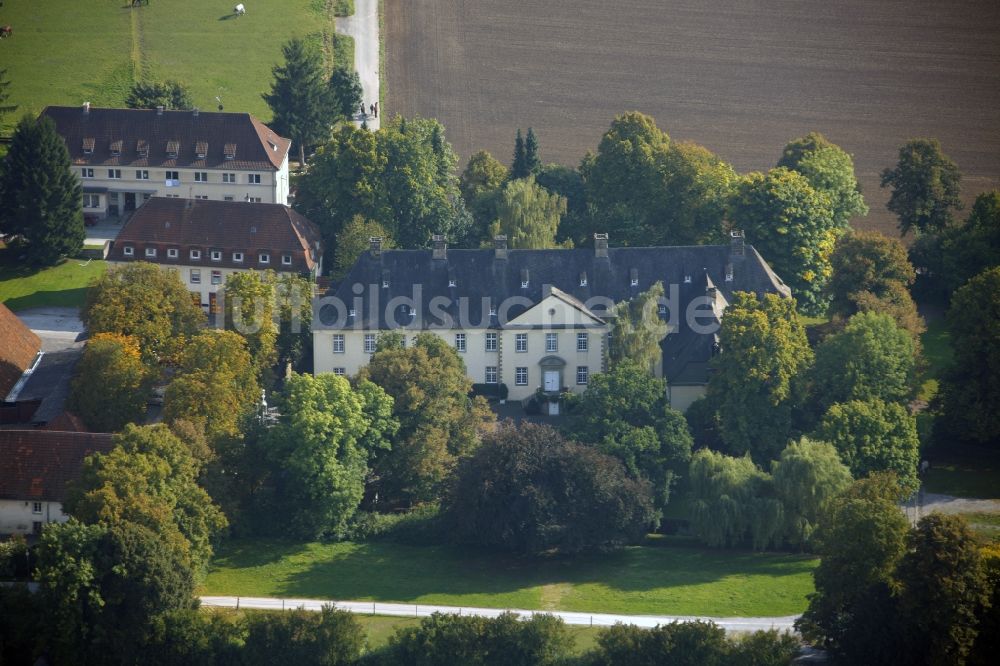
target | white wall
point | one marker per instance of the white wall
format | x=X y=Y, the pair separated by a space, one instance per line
x=681 y=397
x=18 y=516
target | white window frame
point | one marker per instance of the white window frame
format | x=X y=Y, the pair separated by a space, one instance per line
x=195 y=276
x=151 y=252
x=173 y=175
x=238 y=257
x=491 y=374
x=229 y=178
x=172 y=253
x=253 y=179
x=460 y=342
x=370 y=343
x=521 y=376
x=216 y=277
x=491 y=342
x=128 y=251
x=338 y=343
x=216 y=255
x=87 y=172
x=142 y=174
x=521 y=343
x=115 y=174
x=551 y=342
x=286 y=260
x=201 y=176
x=196 y=255
x=582 y=375
x=340 y=372
x=582 y=342
x=91 y=201
x=36 y=508
x=264 y=258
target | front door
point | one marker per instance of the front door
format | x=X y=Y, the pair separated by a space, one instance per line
x=552 y=380
x=129 y=201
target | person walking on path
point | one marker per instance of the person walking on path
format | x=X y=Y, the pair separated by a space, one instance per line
x=375 y=109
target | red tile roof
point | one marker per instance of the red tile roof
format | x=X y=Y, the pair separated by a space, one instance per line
x=18 y=347
x=229 y=226
x=38 y=464
x=93 y=137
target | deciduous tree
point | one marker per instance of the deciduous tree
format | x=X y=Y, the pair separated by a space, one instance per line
x=807 y=476
x=40 y=197
x=828 y=169
x=151 y=94
x=300 y=97
x=329 y=638
x=250 y=301
x=638 y=330
x=111 y=383
x=925 y=187
x=698 y=188
x=480 y=185
x=528 y=214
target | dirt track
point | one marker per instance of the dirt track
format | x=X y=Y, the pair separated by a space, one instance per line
x=739 y=76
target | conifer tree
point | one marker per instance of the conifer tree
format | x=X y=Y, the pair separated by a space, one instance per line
x=300 y=97
x=531 y=160
x=40 y=198
x=519 y=169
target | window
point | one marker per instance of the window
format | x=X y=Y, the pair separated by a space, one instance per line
x=141 y=174
x=196 y=255
x=128 y=250
x=551 y=342
x=338 y=343
x=491 y=342
x=114 y=173
x=582 y=374
x=661 y=309
x=634 y=281
x=351 y=312
x=228 y=197
x=452 y=282
x=286 y=260
x=582 y=342
x=173 y=175
x=91 y=201
x=203 y=197
x=36 y=507
x=491 y=374
x=264 y=258
x=493 y=311
x=369 y=343
x=87 y=172
x=460 y=342
x=524 y=284
x=150 y=251
x=195 y=276
x=172 y=253
x=521 y=376
x=216 y=277
x=687 y=279
x=216 y=255
x=201 y=176
x=172 y=196
x=253 y=178
x=251 y=199
x=340 y=371
x=520 y=342
x=229 y=178
x=583 y=279
x=238 y=257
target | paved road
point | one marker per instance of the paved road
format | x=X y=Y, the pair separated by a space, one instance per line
x=53 y=322
x=421 y=610
x=363 y=27
x=937 y=503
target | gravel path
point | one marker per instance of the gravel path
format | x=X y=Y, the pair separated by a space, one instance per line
x=937 y=503
x=363 y=27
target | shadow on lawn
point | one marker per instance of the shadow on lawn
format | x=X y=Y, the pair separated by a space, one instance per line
x=59 y=298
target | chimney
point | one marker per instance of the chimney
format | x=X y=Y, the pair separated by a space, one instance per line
x=737 y=245
x=86 y=108
x=375 y=244
x=195 y=111
x=159 y=110
x=500 y=247
x=440 y=247
x=601 y=245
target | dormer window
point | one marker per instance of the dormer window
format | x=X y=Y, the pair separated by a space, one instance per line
x=88 y=146
x=661 y=310
x=172 y=148
x=238 y=257
x=452 y=282
x=172 y=253
x=264 y=258
x=385 y=279
x=729 y=272
x=687 y=279
x=201 y=149
x=196 y=255
x=128 y=251
x=286 y=260
x=413 y=313
x=634 y=277
x=493 y=311
x=142 y=148
x=352 y=312
x=150 y=252
x=116 y=147
x=229 y=151
x=524 y=278
x=216 y=255
x=583 y=279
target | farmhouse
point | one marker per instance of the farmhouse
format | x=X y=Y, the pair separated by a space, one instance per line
x=124 y=157
x=35 y=468
x=208 y=240
x=533 y=320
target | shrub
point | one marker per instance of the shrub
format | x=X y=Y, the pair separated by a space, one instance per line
x=14 y=557
x=328 y=638
x=418 y=526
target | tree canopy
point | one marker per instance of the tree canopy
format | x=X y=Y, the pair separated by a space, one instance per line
x=353 y=240
x=300 y=97
x=828 y=169
x=345 y=90
x=111 y=383
x=480 y=184
x=40 y=196
x=250 y=302
x=169 y=94
x=807 y=476
x=638 y=330
x=528 y=214
x=925 y=187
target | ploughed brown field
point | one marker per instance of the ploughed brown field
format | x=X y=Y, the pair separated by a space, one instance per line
x=741 y=77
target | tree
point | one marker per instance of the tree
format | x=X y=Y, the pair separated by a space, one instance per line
x=970 y=391
x=860 y=538
x=531 y=161
x=807 y=477
x=345 y=90
x=696 y=643
x=519 y=167
x=698 y=189
x=251 y=302
x=764 y=355
x=152 y=94
x=925 y=187
x=300 y=97
x=791 y=224
x=828 y=169
x=975 y=246
x=145 y=302
x=111 y=383
x=4 y=96
x=528 y=490
x=872 y=358
x=150 y=478
x=480 y=184
x=353 y=241
x=624 y=413
x=215 y=387
x=40 y=197
x=322 y=448
x=574 y=227
x=329 y=638
x=733 y=502
x=439 y=422
x=872 y=273
x=294 y=303
x=944 y=588
x=528 y=214
x=638 y=330
x=874 y=436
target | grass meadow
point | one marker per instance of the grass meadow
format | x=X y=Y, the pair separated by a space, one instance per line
x=62 y=285
x=66 y=52
x=644 y=580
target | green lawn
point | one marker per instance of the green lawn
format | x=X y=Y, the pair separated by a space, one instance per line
x=664 y=580
x=69 y=52
x=63 y=285
x=985 y=525
x=936 y=342
x=964 y=471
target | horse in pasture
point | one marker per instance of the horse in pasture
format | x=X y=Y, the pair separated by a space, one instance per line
x=239 y=9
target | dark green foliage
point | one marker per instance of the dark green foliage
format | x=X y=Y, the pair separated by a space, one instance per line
x=40 y=197
x=190 y=637
x=531 y=160
x=973 y=247
x=21 y=618
x=171 y=95
x=4 y=95
x=300 y=97
x=765 y=648
x=345 y=90
x=678 y=644
x=567 y=183
x=528 y=490
x=925 y=187
x=480 y=185
x=111 y=383
x=807 y=477
x=328 y=638
x=519 y=167
x=445 y=640
x=624 y=413
x=705 y=425
x=971 y=387
x=828 y=169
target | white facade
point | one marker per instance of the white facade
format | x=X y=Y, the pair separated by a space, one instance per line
x=28 y=516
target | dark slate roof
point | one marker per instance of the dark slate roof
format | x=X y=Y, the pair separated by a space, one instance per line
x=128 y=131
x=18 y=348
x=38 y=464
x=229 y=226
x=481 y=280
x=50 y=383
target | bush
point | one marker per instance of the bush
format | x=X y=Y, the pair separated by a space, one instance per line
x=418 y=526
x=498 y=391
x=328 y=638
x=15 y=558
